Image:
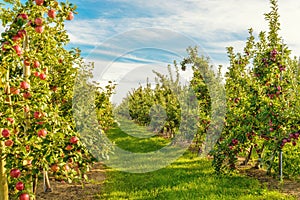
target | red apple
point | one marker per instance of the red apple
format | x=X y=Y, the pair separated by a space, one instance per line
x=9 y=143
x=21 y=33
x=52 y=13
x=37 y=115
x=36 y=64
x=15 y=173
x=70 y=16
x=18 y=50
x=284 y=141
x=14 y=90
x=11 y=120
x=19 y=186
x=43 y=76
x=24 y=85
x=36 y=74
x=39 y=2
x=38 y=21
x=15 y=38
x=74 y=140
x=23 y=16
x=294 y=143
x=69 y=147
x=271 y=129
x=5 y=133
x=26 y=62
x=24 y=196
x=42 y=133
x=39 y=29
x=26 y=95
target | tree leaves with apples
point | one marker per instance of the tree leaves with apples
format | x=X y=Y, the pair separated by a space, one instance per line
x=261 y=100
x=36 y=83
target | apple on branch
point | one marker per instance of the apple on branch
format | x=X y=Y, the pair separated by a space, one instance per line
x=24 y=196
x=52 y=13
x=42 y=133
x=24 y=85
x=70 y=16
x=38 y=21
x=15 y=173
x=18 y=50
x=39 y=29
x=39 y=2
x=20 y=185
x=9 y=143
x=36 y=64
x=5 y=133
x=74 y=140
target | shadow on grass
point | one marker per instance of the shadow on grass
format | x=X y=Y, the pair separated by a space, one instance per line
x=185 y=179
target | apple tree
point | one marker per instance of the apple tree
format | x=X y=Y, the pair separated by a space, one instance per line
x=210 y=93
x=262 y=102
x=37 y=77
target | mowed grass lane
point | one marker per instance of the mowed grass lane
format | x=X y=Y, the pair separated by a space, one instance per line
x=190 y=177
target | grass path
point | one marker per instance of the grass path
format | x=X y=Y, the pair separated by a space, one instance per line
x=190 y=178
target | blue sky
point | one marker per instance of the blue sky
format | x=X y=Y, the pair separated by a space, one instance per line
x=213 y=24
x=123 y=35
x=122 y=26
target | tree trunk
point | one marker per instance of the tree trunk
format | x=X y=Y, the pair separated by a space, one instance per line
x=3 y=179
x=248 y=157
x=35 y=183
x=259 y=156
x=269 y=170
x=47 y=187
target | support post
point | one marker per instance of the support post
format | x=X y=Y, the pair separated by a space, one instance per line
x=280 y=165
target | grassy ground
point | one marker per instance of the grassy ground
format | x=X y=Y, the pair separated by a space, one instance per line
x=190 y=177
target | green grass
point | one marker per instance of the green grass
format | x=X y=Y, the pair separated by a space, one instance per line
x=140 y=143
x=190 y=177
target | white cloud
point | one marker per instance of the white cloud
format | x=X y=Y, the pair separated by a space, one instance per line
x=215 y=24
x=131 y=75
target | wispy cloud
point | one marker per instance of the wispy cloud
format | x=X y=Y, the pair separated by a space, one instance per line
x=120 y=30
x=213 y=24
